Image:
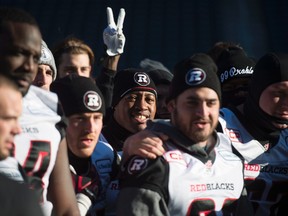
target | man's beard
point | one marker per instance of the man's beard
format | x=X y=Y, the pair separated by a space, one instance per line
x=196 y=135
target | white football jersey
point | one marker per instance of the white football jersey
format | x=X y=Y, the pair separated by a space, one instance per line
x=209 y=184
x=189 y=180
x=266 y=169
x=36 y=147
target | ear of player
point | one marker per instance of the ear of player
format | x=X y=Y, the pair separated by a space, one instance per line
x=113 y=35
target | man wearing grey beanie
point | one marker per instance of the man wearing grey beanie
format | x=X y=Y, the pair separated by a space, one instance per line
x=47 y=71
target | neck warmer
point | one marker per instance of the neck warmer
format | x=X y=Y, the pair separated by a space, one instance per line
x=270 y=69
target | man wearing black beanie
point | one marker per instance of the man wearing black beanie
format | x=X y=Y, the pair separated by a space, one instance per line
x=84 y=108
x=258 y=130
x=134 y=103
x=235 y=69
x=199 y=171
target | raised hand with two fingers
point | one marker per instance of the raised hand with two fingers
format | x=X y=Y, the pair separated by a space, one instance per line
x=113 y=35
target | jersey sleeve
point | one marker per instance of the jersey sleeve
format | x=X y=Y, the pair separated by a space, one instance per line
x=62 y=124
x=143 y=187
x=105 y=82
x=140 y=201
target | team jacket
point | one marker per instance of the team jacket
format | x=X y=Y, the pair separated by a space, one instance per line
x=266 y=168
x=93 y=175
x=103 y=158
x=115 y=134
x=184 y=181
x=36 y=147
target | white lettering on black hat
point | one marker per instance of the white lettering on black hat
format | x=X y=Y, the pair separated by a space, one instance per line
x=92 y=101
x=141 y=79
x=233 y=72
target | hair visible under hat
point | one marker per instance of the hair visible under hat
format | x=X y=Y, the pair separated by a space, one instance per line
x=131 y=79
x=198 y=70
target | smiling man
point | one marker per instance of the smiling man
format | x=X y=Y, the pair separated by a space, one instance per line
x=198 y=172
x=133 y=103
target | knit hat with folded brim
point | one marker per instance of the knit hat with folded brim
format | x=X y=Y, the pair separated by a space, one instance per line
x=233 y=64
x=78 y=94
x=131 y=79
x=196 y=71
